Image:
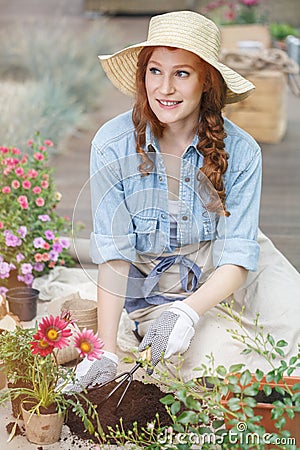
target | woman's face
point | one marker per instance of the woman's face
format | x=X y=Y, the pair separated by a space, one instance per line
x=174 y=85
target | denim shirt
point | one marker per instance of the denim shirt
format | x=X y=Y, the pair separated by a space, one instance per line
x=130 y=211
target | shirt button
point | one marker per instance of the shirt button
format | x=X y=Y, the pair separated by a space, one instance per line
x=160 y=178
x=184 y=217
x=187 y=179
x=163 y=216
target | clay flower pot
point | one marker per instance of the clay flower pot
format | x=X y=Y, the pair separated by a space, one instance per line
x=43 y=428
x=265 y=409
x=22 y=302
x=2 y=375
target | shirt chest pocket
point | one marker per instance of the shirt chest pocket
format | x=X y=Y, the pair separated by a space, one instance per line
x=147 y=233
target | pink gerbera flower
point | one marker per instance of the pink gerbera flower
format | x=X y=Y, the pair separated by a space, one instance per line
x=88 y=344
x=40 y=346
x=54 y=331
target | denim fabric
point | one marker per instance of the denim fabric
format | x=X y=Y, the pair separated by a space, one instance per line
x=130 y=211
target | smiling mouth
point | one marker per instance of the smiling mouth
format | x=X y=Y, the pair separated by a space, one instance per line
x=168 y=102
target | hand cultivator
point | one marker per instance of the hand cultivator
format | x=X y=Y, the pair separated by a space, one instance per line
x=124 y=379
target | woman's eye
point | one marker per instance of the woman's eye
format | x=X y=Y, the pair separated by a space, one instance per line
x=182 y=73
x=154 y=70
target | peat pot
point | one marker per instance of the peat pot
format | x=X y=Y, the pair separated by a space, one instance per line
x=42 y=428
x=22 y=302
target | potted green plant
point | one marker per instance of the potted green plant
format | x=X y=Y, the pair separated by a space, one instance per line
x=17 y=360
x=280 y=31
x=44 y=400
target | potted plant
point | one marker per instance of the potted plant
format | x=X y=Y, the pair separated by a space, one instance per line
x=44 y=400
x=280 y=31
x=31 y=230
x=17 y=360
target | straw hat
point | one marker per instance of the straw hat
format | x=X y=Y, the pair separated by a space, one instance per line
x=186 y=30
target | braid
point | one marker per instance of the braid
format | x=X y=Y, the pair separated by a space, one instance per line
x=211 y=139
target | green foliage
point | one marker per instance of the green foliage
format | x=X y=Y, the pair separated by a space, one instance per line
x=16 y=354
x=279 y=31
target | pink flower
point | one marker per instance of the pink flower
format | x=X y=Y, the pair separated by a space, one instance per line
x=54 y=331
x=44 y=184
x=40 y=201
x=26 y=184
x=88 y=344
x=48 y=143
x=32 y=173
x=37 y=190
x=23 y=202
x=46 y=246
x=6 y=190
x=38 y=156
x=1 y=225
x=24 y=159
x=45 y=257
x=38 y=257
x=16 y=151
x=29 y=142
x=40 y=346
x=42 y=148
x=19 y=171
x=15 y=184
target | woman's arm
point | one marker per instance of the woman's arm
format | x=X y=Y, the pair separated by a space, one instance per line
x=112 y=285
x=223 y=282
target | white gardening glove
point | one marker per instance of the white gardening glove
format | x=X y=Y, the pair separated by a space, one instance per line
x=91 y=373
x=170 y=333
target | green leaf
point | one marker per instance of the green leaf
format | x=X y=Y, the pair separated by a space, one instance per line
x=267 y=389
x=281 y=343
x=168 y=399
x=245 y=378
x=251 y=390
x=217 y=424
x=234 y=404
x=187 y=417
x=279 y=351
x=248 y=411
x=221 y=370
x=270 y=339
x=281 y=422
x=236 y=368
x=175 y=407
x=250 y=401
x=259 y=375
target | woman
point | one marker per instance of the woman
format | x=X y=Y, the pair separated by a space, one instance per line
x=175 y=193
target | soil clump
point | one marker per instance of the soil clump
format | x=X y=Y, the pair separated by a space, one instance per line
x=141 y=404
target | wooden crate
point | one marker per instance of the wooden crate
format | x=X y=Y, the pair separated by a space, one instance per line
x=263 y=113
x=232 y=35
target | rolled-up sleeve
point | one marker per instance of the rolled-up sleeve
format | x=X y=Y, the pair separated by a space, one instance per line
x=112 y=236
x=236 y=241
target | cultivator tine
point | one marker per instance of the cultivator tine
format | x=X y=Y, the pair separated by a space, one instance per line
x=125 y=377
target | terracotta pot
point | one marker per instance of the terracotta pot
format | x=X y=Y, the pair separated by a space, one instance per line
x=264 y=410
x=22 y=302
x=43 y=428
x=2 y=375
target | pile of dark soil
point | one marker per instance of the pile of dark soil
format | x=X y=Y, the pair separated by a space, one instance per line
x=141 y=404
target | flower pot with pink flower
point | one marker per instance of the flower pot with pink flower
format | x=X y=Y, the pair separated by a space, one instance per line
x=46 y=395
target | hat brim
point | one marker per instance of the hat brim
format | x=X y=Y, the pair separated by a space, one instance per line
x=121 y=70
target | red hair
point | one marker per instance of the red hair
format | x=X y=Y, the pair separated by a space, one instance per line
x=210 y=130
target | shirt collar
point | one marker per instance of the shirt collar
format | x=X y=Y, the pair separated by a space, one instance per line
x=152 y=144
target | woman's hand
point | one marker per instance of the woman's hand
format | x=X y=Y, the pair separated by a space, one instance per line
x=170 y=333
x=92 y=373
